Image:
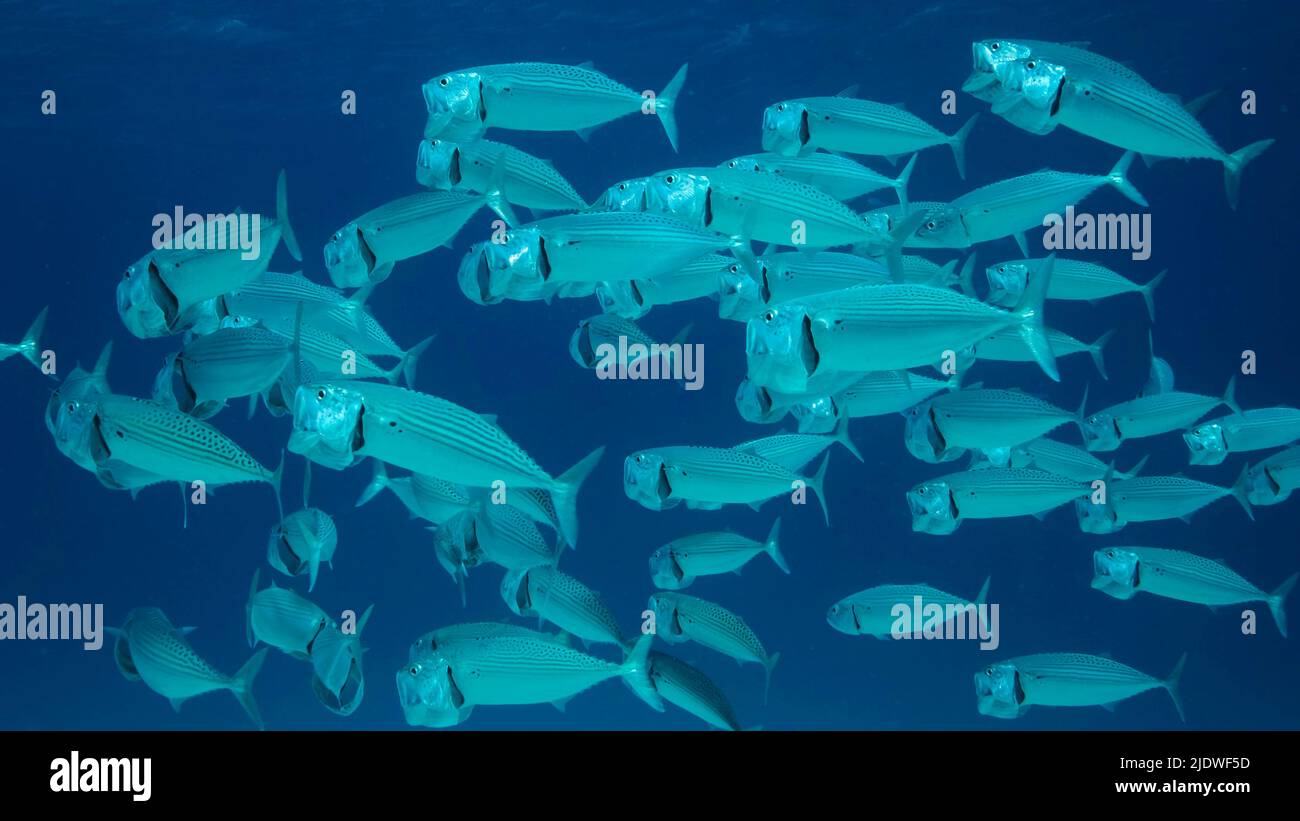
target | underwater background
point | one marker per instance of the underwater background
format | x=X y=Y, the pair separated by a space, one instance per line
x=201 y=105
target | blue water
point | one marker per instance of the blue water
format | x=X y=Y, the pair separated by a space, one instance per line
x=200 y=105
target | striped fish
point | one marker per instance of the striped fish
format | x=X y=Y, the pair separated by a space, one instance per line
x=1006 y=345
x=1258 y=429
x=633 y=298
x=1123 y=572
x=456 y=547
x=283 y=619
x=789 y=276
x=795 y=450
x=681 y=684
x=1061 y=459
x=613 y=334
x=855 y=126
x=160 y=656
x=1151 y=415
x=562 y=600
x=870 y=612
x=1071 y=279
x=1008 y=689
x=940 y=505
x=338 y=680
x=540 y=97
x=336 y=356
x=228 y=363
x=884 y=392
x=302 y=542
x=676 y=565
x=509 y=538
x=843 y=178
x=661 y=478
x=523 y=179
x=681 y=618
x=428 y=497
x=988 y=418
x=30 y=345
x=1155 y=498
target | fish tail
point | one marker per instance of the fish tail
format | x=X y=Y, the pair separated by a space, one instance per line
x=30 y=347
x=1234 y=163
x=248 y=609
x=1118 y=177
x=313 y=566
x=815 y=482
x=984 y=591
x=966 y=277
x=274 y=481
x=101 y=364
x=1230 y=395
x=1148 y=293
x=898 y=237
x=1277 y=602
x=378 y=481
x=958 y=144
x=1029 y=310
x=1097 y=351
x=664 y=103
x=287 y=235
x=768 y=664
x=565 y=494
x=1171 y=686
x=1137 y=468
x=773 y=547
x=242 y=686
x=411 y=358
x=842 y=436
x=636 y=673
x=900 y=184
x=1239 y=491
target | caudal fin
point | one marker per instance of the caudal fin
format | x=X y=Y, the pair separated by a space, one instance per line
x=1029 y=310
x=274 y=481
x=378 y=481
x=282 y=217
x=1241 y=491
x=958 y=144
x=1148 y=293
x=1171 y=687
x=665 y=102
x=30 y=346
x=1096 y=351
x=248 y=610
x=769 y=664
x=565 y=494
x=1277 y=602
x=773 y=547
x=242 y=686
x=898 y=237
x=1118 y=177
x=900 y=184
x=815 y=483
x=966 y=278
x=842 y=436
x=1230 y=395
x=1235 y=163
x=411 y=358
x=636 y=673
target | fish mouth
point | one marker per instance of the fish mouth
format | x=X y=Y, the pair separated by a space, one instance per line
x=953 y=510
x=808 y=350
x=163 y=296
x=804 y=135
x=585 y=350
x=663 y=488
x=1018 y=692
x=453 y=168
x=1056 y=99
x=708 y=206
x=766 y=287
x=483 y=277
x=367 y=255
x=857 y=625
x=934 y=425
x=358 y=432
x=543 y=259
x=678 y=572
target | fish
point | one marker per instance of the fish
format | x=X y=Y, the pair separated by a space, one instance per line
x=1123 y=572
x=30 y=345
x=1006 y=345
x=336 y=356
x=989 y=418
x=1071 y=279
x=676 y=565
x=428 y=497
x=514 y=669
x=303 y=541
x=1062 y=459
x=1256 y=429
x=229 y=363
x=1013 y=206
x=855 y=126
x=1160 y=376
x=425 y=434
x=562 y=600
x=1272 y=480
x=796 y=450
x=431 y=641
x=477 y=166
x=1151 y=416
x=364 y=251
x=660 y=478
x=843 y=178
x=456 y=547
x=939 y=506
x=1155 y=498
x=922 y=271
x=511 y=539
x=681 y=618
x=886 y=392
x=633 y=298
x=871 y=612
x=598 y=340
x=882 y=328
x=283 y=619
x=680 y=684
x=1009 y=688
x=338 y=680
x=163 y=659
x=789 y=276
x=540 y=97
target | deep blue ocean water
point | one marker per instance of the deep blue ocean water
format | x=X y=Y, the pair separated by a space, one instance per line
x=200 y=105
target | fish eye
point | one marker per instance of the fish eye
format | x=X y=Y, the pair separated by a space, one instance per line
x=931 y=225
x=71 y=407
x=734 y=269
x=1110 y=554
x=638 y=458
x=622 y=186
x=670 y=179
x=1030 y=64
x=769 y=316
x=444 y=82
x=320 y=394
x=835 y=608
x=1002 y=269
x=995 y=46
x=414 y=671
x=126 y=274
x=988 y=671
x=781 y=107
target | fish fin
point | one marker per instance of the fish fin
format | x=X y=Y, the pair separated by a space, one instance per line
x=185 y=631
x=664 y=103
x=1108 y=707
x=565 y=494
x=587 y=64
x=584 y=134
x=287 y=236
x=900 y=184
x=176 y=703
x=248 y=609
x=636 y=673
x=30 y=347
x=842 y=436
x=561 y=703
x=1239 y=491
x=967 y=276
x=1118 y=177
x=252 y=405
x=1277 y=602
x=496 y=199
x=1030 y=312
x=1081 y=414
x=755 y=506
x=378 y=481
x=1196 y=106
x=1171 y=687
x=892 y=159
x=772 y=546
x=898 y=236
x=242 y=686
x=490 y=418
x=1040 y=515
x=101 y=364
x=958 y=144
x=1235 y=163
x=984 y=591
x=313 y=568
x=410 y=359
x=1148 y=293
x=815 y=482
x=1095 y=350
x=1136 y=469
x=769 y=664
x=275 y=485
x=1230 y=395
x=1022 y=243
x=850 y=91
